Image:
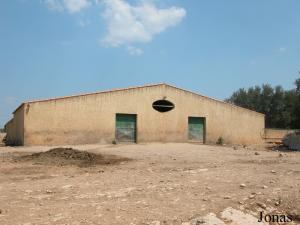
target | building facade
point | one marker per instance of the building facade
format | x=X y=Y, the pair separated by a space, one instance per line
x=153 y=113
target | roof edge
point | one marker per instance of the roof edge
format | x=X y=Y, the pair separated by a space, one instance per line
x=216 y=100
x=87 y=94
x=20 y=106
x=135 y=87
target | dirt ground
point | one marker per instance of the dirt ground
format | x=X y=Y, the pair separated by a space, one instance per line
x=147 y=184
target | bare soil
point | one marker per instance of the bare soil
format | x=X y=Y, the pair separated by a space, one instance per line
x=145 y=184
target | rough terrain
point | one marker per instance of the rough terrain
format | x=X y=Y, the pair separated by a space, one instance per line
x=147 y=184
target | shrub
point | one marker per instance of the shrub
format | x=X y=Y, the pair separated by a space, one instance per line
x=114 y=142
x=220 y=141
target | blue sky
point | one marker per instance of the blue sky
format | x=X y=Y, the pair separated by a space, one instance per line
x=52 y=48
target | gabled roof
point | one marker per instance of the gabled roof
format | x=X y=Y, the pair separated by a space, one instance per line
x=130 y=88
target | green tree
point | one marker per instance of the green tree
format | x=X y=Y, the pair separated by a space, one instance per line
x=281 y=107
x=297 y=83
x=297 y=104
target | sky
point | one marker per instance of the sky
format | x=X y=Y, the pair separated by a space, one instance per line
x=52 y=48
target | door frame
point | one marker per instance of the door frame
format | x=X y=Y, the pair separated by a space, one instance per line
x=204 y=129
x=136 y=132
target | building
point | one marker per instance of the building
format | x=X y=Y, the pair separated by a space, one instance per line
x=152 y=113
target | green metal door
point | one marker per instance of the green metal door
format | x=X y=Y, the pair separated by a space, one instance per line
x=125 y=127
x=196 y=129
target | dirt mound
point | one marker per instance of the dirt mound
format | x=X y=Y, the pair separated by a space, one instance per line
x=70 y=156
x=66 y=153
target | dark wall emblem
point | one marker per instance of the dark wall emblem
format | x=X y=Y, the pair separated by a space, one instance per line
x=163 y=105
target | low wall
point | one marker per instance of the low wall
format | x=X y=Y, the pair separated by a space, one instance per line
x=276 y=135
x=2 y=135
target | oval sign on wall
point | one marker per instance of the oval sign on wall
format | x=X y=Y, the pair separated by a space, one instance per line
x=163 y=105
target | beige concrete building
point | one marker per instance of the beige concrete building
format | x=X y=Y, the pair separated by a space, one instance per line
x=152 y=113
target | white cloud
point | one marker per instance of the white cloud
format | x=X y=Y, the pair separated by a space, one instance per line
x=70 y=5
x=134 y=51
x=76 y=5
x=54 y=5
x=129 y=24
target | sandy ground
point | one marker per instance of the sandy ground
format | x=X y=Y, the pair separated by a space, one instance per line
x=162 y=184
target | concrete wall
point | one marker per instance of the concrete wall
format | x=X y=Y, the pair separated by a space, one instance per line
x=277 y=135
x=2 y=135
x=15 y=128
x=235 y=124
x=9 y=129
x=91 y=118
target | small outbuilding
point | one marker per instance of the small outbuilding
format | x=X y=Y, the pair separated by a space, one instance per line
x=151 y=113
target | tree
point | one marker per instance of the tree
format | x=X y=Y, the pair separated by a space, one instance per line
x=297 y=104
x=297 y=83
x=281 y=107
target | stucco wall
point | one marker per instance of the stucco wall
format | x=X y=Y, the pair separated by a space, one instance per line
x=15 y=128
x=10 y=130
x=276 y=135
x=235 y=124
x=2 y=136
x=91 y=118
